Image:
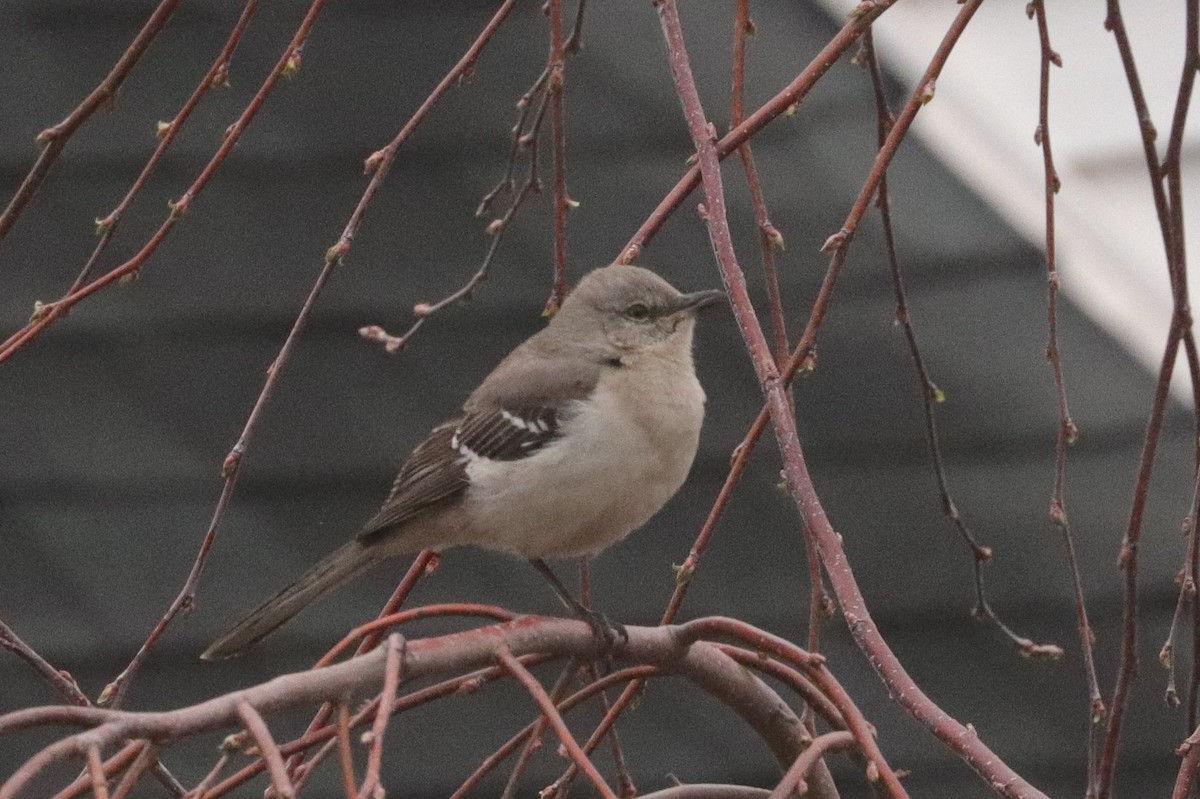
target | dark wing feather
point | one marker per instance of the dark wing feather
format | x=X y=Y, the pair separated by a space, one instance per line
x=437 y=469
x=515 y=412
x=434 y=472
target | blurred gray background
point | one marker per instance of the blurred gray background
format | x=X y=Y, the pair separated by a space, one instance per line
x=114 y=423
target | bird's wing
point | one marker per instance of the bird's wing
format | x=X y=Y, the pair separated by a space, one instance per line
x=503 y=421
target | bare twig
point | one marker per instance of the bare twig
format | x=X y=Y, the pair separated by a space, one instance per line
x=794 y=779
x=96 y=771
x=345 y=757
x=555 y=720
x=1067 y=431
x=391 y=681
x=558 y=131
x=426 y=562
x=381 y=163
x=960 y=739
x=266 y=745
x=288 y=62
x=62 y=682
x=106 y=226
x=54 y=139
x=930 y=393
x=145 y=760
x=1170 y=225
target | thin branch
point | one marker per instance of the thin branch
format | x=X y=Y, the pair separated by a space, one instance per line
x=555 y=720
x=61 y=681
x=533 y=731
x=345 y=757
x=1181 y=331
x=391 y=681
x=930 y=393
x=54 y=139
x=382 y=162
x=1067 y=431
x=860 y=19
x=96 y=771
x=145 y=760
x=383 y=623
x=957 y=737
x=106 y=226
x=558 y=131
x=266 y=745
x=794 y=779
x=288 y=63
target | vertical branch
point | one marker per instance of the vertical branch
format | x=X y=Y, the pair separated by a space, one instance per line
x=96 y=771
x=391 y=681
x=930 y=393
x=268 y=748
x=1067 y=431
x=959 y=738
x=345 y=757
x=562 y=202
x=769 y=238
x=1170 y=225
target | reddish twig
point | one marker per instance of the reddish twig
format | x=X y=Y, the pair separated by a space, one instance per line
x=526 y=135
x=554 y=718
x=96 y=772
x=146 y=758
x=61 y=681
x=1186 y=778
x=625 y=782
x=345 y=756
x=1067 y=431
x=54 y=139
x=794 y=779
x=556 y=87
x=769 y=238
x=387 y=697
x=201 y=789
x=382 y=623
x=960 y=739
x=381 y=163
x=123 y=758
x=425 y=562
x=930 y=393
x=860 y=19
x=1170 y=225
x=534 y=729
x=267 y=747
x=1187 y=579
x=106 y=226
x=287 y=64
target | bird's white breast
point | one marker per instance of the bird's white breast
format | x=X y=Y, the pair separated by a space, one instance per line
x=624 y=451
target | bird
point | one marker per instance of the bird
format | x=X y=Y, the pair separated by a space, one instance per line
x=578 y=437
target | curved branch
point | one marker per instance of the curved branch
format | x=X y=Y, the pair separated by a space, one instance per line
x=667 y=647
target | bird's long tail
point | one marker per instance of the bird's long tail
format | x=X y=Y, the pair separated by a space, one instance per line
x=332 y=572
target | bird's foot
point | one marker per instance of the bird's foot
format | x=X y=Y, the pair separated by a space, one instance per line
x=609 y=634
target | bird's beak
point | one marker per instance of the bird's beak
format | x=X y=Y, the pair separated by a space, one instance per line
x=700 y=299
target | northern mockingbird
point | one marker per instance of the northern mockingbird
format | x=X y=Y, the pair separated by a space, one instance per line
x=579 y=436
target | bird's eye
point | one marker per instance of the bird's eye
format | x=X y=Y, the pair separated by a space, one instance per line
x=638 y=312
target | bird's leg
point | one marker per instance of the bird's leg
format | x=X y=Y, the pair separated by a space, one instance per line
x=606 y=631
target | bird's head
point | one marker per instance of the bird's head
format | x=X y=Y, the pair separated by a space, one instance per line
x=636 y=309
